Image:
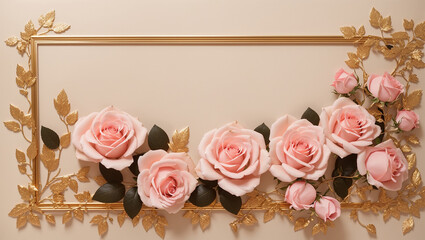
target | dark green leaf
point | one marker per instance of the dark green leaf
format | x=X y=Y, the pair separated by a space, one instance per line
x=50 y=138
x=158 y=139
x=229 y=201
x=338 y=169
x=110 y=175
x=209 y=183
x=202 y=196
x=134 y=167
x=349 y=165
x=109 y=193
x=265 y=131
x=379 y=139
x=311 y=116
x=341 y=186
x=132 y=203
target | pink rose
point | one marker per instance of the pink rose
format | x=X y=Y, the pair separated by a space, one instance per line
x=297 y=150
x=407 y=120
x=300 y=195
x=235 y=156
x=109 y=137
x=384 y=164
x=328 y=208
x=344 y=82
x=348 y=127
x=165 y=180
x=384 y=87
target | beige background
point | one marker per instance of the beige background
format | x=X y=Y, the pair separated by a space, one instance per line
x=200 y=86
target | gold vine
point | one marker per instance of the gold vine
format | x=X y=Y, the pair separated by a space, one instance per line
x=403 y=48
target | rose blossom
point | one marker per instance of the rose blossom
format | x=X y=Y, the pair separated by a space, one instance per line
x=297 y=149
x=300 y=195
x=407 y=120
x=384 y=164
x=110 y=137
x=348 y=127
x=235 y=156
x=384 y=87
x=165 y=180
x=328 y=208
x=344 y=82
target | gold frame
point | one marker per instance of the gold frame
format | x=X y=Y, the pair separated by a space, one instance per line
x=158 y=40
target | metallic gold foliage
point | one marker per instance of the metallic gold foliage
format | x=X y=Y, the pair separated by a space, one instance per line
x=50 y=219
x=82 y=174
x=413 y=99
x=67 y=216
x=121 y=218
x=180 y=140
x=371 y=229
x=21 y=221
x=301 y=223
x=408 y=225
x=61 y=103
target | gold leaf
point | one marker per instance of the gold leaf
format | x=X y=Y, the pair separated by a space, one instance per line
x=387 y=215
x=249 y=220
x=400 y=35
x=162 y=220
x=12 y=41
x=23 y=92
x=100 y=180
x=58 y=198
x=147 y=222
x=83 y=197
x=102 y=227
x=406 y=148
x=16 y=113
x=301 y=223
x=19 y=210
x=160 y=230
x=135 y=220
x=22 y=47
x=32 y=151
x=204 y=221
x=408 y=225
x=73 y=185
x=363 y=51
x=316 y=229
x=353 y=215
x=415 y=210
x=33 y=219
x=420 y=31
x=385 y=24
x=21 y=221
x=180 y=140
x=66 y=217
x=375 y=18
x=371 y=229
x=195 y=219
x=413 y=139
x=12 y=126
x=411 y=160
x=348 y=32
x=60 y=27
x=24 y=192
x=65 y=140
x=50 y=219
x=97 y=219
x=20 y=156
x=413 y=99
x=79 y=214
x=47 y=20
x=352 y=63
x=234 y=227
x=417 y=63
x=408 y=25
x=416 y=178
x=188 y=214
x=269 y=215
x=22 y=168
x=82 y=174
x=121 y=218
x=72 y=118
x=361 y=32
x=61 y=103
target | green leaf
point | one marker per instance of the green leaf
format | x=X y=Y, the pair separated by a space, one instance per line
x=132 y=203
x=265 y=131
x=210 y=184
x=110 y=175
x=109 y=193
x=134 y=167
x=349 y=165
x=229 y=201
x=202 y=196
x=158 y=139
x=311 y=116
x=50 y=138
x=341 y=186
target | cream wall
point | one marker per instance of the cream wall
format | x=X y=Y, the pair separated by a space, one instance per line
x=293 y=71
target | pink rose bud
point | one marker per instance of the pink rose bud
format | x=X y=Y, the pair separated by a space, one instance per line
x=344 y=82
x=328 y=208
x=384 y=87
x=110 y=137
x=300 y=195
x=407 y=120
x=385 y=166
